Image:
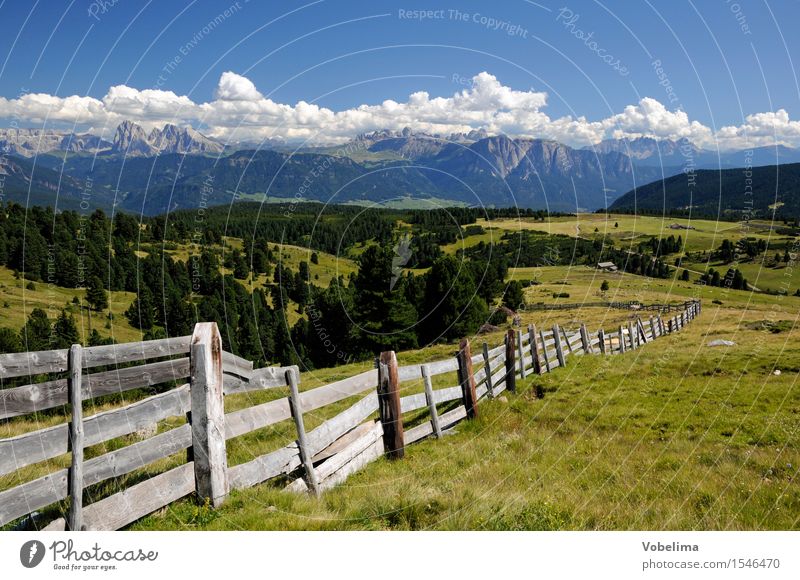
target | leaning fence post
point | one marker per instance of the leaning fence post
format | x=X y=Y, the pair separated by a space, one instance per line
x=426 y=379
x=601 y=337
x=389 y=405
x=587 y=347
x=545 y=354
x=75 y=484
x=488 y=371
x=466 y=379
x=631 y=336
x=559 y=350
x=640 y=330
x=208 y=414
x=296 y=408
x=511 y=379
x=621 y=340
x=537 y=363
x=521 y=355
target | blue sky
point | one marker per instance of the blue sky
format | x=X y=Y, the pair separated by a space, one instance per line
x=722 y=61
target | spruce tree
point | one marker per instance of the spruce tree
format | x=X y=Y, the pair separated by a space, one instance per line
x=96 y=294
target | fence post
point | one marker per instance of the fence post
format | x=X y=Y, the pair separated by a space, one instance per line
x=426 y=379
x=669 y=326
x=521 y=355
x=640 y=330
x=537 y=363
x=631 y=336
x=488 y=371
x=621 y=340
x=75 y=484
x=559 y=350
x=511 y=379
x=208 y=414
x=653 y=328
x=601 y=336
x=466 y=379
x=587 y=347
x=389 y=405
x=566 y=340
x=544 y=352
x=296 y=408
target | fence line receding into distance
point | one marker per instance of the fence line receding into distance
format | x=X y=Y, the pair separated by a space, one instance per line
x=195 y=376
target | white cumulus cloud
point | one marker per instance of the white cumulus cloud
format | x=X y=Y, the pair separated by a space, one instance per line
x=239 y=111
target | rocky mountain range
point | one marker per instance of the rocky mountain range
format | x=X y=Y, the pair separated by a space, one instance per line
x=166 y=168
x=684 y=153
x=129 y=139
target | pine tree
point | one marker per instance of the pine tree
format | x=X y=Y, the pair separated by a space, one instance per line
x=65 y=331
x=385 y=317
x=451 y=308
x=9 y=341
x=37 y=332
x=514 y=298
x=96 y=294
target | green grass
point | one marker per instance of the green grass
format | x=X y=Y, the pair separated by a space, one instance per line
x=675 y=435
x=707 y=234
x=17 y=302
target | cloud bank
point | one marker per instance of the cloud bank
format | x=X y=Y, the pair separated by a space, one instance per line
x=240 y=112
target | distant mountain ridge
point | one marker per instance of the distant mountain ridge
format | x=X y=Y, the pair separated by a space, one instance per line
x=651 y=152
x=129 y=139
x=165 y=169
x=716 y=193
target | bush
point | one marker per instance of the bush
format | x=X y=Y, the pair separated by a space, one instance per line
x=560 y=294
x=715 y=301
x=30 y=286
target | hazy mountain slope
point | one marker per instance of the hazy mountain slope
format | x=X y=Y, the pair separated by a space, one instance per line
x=717 y=192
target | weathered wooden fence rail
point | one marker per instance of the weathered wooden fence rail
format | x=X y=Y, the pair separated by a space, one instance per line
x=318 y=459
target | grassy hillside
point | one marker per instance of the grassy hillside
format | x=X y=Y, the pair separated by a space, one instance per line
x=717 y=193
x=674 y=435
x=17 y=302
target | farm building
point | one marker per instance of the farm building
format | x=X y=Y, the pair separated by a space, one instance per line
x=607 y=266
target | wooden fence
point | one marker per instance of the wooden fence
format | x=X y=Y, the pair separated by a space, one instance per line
x=316 y=460
x=630 y=305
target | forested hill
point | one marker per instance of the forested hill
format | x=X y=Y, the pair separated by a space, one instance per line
x=716 y=193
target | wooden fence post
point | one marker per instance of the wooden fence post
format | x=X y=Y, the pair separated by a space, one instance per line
x=296 y=408
x=559 y=350
x=601 y=336
x=621 y=340
x=653 y=328
x=537 y=362
x=75 y=484
x=669 y=326
x=511 y=379
x=631 y=335
x=426 y=379
x=587 y=347
x=545 y=354
x=566 y=340
x=521 y=352
x=208 y=414
x=466 y=379
x=641 y=331
x=389 y=405
x=488 y=371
